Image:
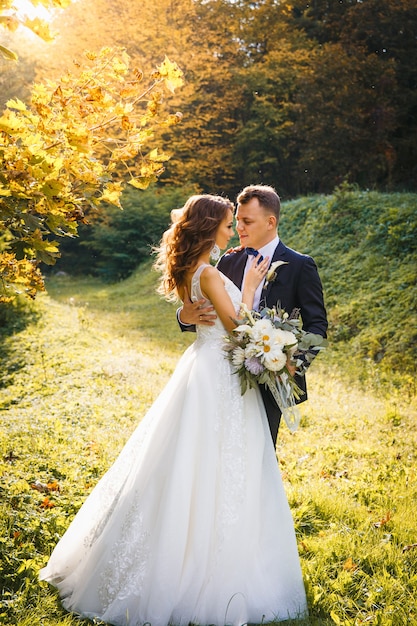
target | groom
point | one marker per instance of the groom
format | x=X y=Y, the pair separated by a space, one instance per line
x=294 y=284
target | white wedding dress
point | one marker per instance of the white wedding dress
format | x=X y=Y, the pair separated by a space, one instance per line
x=191 y=524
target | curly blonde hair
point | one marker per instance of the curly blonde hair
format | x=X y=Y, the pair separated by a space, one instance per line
x=191 y=234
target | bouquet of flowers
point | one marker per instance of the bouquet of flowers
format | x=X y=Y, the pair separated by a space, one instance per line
x=260 y=347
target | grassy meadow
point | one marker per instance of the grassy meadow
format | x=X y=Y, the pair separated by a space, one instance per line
x=82 y=364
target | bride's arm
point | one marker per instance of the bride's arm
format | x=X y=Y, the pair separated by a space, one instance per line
x=213 y=288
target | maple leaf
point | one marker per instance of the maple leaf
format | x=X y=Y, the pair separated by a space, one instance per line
x=111 y=194
x=40 y=28
x=171 y=74
x=53 y=486
x=47 y=503
x=140 y=183
x=16 y=104
x=349 y=565
x=155 y=155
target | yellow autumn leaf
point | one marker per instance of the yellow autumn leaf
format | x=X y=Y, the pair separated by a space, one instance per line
x=172 y=119
x=160 y=157
x=40 y=28
x=10 y=123
x=16 y=104
x=52 y=188
x=120 y=66
x=126 y=123
x=112 y=196
x=142 y=182
x=48 y=246
x=129 y=151
x=61 y=4
x=151 y=168
x=79 y=141
x=10 y=22
x=8 y=54
x=171 y=74
x=40 y=94
x=349 y=565
x=123 y=108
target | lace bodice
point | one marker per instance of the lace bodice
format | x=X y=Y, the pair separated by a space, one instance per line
x=216 y=332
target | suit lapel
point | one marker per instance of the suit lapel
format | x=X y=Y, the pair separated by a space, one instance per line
x=279 y=255
x=238 y=268
x=280 y=252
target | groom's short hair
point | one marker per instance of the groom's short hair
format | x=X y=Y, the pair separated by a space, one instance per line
x=267 y=197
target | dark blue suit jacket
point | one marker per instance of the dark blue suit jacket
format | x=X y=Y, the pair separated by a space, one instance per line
x=297 y=285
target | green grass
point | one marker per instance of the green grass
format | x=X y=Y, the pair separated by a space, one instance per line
x=81 y=373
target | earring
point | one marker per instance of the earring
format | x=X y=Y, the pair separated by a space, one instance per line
x=215 y=252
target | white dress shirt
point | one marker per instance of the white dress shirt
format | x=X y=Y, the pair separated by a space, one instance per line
x=266 y=251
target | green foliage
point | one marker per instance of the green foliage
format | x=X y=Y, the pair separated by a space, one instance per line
x=118 y=241
x=365 y=247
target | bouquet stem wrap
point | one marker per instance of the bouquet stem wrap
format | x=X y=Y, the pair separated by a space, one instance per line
x=284 y=397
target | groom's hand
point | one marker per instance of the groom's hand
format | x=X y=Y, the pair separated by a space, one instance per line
x=196 y=312
x=291 y=366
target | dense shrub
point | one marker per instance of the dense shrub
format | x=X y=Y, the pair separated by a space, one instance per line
x=118 y=241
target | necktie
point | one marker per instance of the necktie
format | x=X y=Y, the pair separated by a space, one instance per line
x=253 y=252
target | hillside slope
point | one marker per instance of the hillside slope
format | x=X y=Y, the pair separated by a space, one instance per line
x=365 y=246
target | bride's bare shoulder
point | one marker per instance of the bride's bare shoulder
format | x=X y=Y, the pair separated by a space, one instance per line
x=210 y=279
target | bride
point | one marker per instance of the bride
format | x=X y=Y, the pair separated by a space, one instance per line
x=191 y=524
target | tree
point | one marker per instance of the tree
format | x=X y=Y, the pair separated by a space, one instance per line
x=69 y=151
x=301 y=94
x=367 y=60
x=344 y=120
x=211 y=99
x=328 y=92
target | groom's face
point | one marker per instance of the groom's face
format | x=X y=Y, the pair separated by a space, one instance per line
x=255 y=226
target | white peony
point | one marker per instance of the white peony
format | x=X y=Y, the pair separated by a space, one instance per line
x=285 y=338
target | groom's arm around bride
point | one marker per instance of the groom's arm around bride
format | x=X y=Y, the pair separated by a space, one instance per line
x=294 y=284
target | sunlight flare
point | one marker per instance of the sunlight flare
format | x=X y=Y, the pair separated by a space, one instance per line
x=25 y=8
